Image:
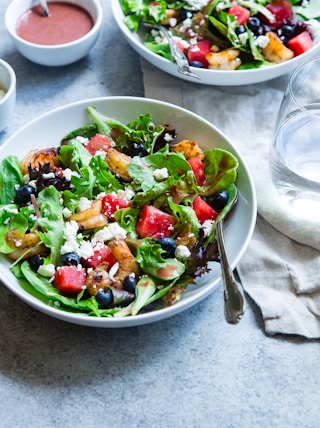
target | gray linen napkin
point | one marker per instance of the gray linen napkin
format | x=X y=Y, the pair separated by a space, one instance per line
x=281 y=268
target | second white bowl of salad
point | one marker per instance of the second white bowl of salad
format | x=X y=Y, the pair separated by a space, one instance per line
x=226 y=43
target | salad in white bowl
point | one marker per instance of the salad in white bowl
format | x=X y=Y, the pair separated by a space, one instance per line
x=117 y=220
x=243 y=35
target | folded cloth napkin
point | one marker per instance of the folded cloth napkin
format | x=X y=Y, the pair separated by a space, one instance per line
x=280 y=270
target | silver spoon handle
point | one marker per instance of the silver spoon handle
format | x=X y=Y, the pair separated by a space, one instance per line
x=180 y=58
x=43 y=4
x=233 y=298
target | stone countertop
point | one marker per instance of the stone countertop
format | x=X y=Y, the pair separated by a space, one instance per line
x=190 y=371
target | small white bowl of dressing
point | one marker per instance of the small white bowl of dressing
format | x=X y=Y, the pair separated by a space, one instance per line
x=7 y=93
x=64 y=37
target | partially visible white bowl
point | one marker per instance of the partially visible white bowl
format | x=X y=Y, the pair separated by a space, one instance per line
x=210 y=77
x=48 y=130
x=8 y=102
x=54 y=55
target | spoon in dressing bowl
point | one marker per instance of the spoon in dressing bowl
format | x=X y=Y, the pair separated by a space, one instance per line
x=233 y=298
x=45 y=9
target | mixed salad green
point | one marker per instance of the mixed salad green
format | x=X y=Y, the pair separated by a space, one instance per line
x=116 y=220
x=228 y=34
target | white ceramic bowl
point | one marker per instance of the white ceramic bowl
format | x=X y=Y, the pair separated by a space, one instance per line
x=48 y=130
x=209 y=77
x=8 y=102
x=55 y=55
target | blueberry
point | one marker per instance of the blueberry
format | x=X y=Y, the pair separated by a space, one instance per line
x=254 y=24
x=23 y=194
x=70 y=259
x=169 y=246
x=105 y=298
x=139 y=150
x=286 y=32
x=196 y=64
x=35 y=262
x=241 y=29
x=129 y=283
x=218 y=200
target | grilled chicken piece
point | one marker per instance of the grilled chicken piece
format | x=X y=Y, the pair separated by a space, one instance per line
x=37 y=158
x=118 y=163
x=25 y=244
x=98 y=279
x=276 y=51
x=91 y=217
x=102 y=277
x=189 y=149
x=227 y=59
x=126 y=260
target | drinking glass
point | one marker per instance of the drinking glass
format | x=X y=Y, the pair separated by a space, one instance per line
x=295 y=152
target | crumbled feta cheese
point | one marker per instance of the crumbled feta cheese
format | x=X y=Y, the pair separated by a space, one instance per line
x=161 y=174
x=207 y=227
x=33 y=184
x=82 y=140
x=69 y=247
x=173 y=22
x=262 y=41
x=158 y=37
x=101 y=153
x=127 y=194
x=66 y=212
x=197 y=4
x=314 y=28
x=167 y=137
x=84 y=204
x=182 y=252
x=70 y=231
x=186 y=24
x=220 y=6
x=185 y=45
x=85 y=249
x=49 y=175
x=243 y=38
x=113 y=230
x=46 y=270
x=68 y=173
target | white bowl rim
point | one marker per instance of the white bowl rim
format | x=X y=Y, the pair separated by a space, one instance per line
x=96 y=25
x=12 y=75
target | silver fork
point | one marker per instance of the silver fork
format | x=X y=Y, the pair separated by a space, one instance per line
x=179 y=57
x=234 y=303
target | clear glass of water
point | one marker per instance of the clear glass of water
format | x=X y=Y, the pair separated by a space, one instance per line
x=295 y=152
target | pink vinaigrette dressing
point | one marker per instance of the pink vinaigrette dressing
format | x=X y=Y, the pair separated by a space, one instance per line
x=66 y=23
